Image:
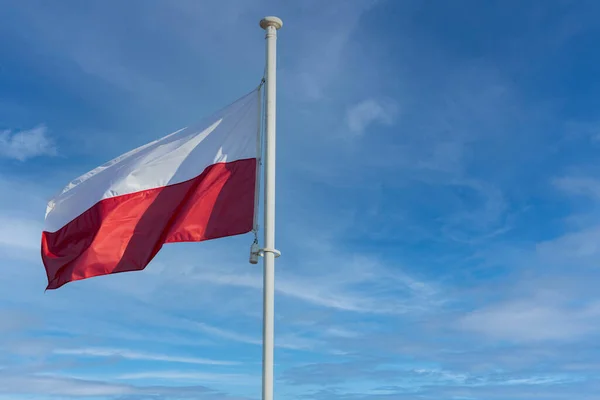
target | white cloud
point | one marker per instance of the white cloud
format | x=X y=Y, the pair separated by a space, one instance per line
x=12 y=321
x=533 y=320
x=573 y=249
x=285 y=341
x=26 y=144
x=360 y=116
x=584 y=186
x=226 y=334
x=341 y=332
x=204 y=377
x=325 y=45
x=481 y=217
x=20 y=233
x=134 y=355
x=335 y=290
x=441 y=375
x=68 y=386
x=445 y=156
x=58 y=386
x=579 y=247
x=180 y=375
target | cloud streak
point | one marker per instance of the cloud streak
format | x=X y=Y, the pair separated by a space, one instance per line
x=336 y=291
x=134 y=355
x=64 y=386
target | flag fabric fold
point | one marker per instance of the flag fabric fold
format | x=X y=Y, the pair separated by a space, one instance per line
x=195 y=184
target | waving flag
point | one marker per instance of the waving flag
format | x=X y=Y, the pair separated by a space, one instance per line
x=195 y=184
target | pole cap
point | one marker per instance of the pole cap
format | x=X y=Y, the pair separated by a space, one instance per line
x=271 y=21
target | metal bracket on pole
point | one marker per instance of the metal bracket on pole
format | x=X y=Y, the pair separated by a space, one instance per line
x=262 y=252
x=256 y=252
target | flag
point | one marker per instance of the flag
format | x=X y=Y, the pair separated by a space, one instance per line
x=196 y=184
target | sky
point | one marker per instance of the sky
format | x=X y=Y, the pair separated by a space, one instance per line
x=438 y=200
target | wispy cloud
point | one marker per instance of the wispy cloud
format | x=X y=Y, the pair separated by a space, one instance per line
x=285 y=341
x=60 y=386
x=579 y=185
x=371 y=111
x=66 y=386
x=20 y=233
x=325 y=46
x=580 y=248
x=204 y=377
x=341 y=332
x=227 y=334
x=340 y=291
x=25 y=144
x=134 y=355
x=533 y=321
x=411 y=380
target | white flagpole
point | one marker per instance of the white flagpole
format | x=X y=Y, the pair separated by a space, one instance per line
x=270 y=25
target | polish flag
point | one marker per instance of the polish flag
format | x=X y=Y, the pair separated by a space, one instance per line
x=195 y=184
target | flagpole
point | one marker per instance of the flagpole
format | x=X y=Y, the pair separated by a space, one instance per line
x=270 y=25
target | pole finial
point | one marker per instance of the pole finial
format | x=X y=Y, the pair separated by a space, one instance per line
x=271 y=21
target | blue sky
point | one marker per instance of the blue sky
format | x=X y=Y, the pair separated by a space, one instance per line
x=438 y=200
